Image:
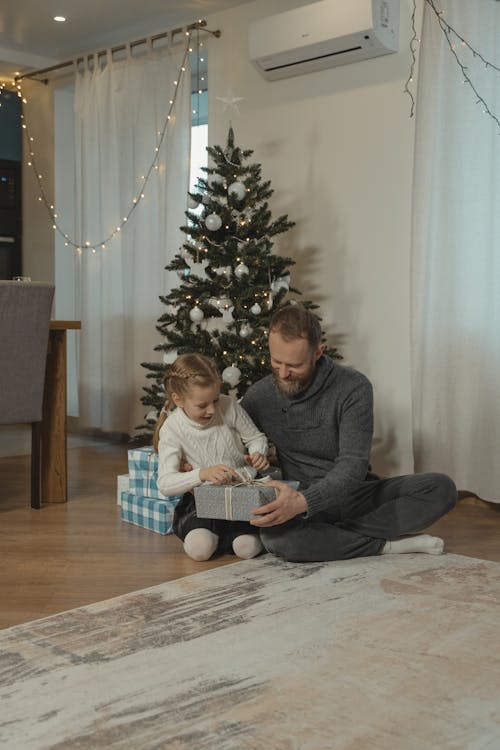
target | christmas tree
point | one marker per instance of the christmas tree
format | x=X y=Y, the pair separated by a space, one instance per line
x=230 y=280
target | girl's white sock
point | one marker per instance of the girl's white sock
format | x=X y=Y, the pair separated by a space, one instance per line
x=200 y=544
x=247 y=546
x=431 y=545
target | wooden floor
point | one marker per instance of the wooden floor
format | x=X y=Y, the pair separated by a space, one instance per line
x=68 y=555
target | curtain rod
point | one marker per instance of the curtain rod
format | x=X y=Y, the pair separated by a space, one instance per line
x=138 y=42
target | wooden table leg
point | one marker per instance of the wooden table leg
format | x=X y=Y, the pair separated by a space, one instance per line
x=54 y=437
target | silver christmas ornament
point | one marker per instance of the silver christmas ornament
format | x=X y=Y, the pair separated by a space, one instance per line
x=237 y=189
x=192 y=202
x=216 y=179
x=245 y=330
x=231 y=375
x=241 y=270
x=196 y=314
x=213 y=222
x=256 y=309
x=283 y=282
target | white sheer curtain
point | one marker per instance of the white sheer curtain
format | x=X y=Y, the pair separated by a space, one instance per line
x=456 y=254
x=120 y=109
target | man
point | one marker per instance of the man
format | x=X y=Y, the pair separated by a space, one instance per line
x=319 y=415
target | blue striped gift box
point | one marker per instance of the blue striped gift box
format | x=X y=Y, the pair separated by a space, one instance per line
x=143 y=472
x=150 y=513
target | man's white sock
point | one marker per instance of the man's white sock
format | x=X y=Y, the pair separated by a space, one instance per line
x=430 y=545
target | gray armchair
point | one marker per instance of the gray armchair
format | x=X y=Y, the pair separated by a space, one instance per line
x=25 y=310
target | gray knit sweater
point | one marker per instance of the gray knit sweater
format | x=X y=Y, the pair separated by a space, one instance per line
x=322 y=436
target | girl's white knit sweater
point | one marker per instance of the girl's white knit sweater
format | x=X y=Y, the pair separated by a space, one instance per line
x=223 y=441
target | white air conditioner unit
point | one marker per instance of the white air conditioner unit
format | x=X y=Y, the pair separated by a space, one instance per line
x=322 y=35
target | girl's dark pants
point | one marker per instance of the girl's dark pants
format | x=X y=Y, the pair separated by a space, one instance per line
x=185 y=520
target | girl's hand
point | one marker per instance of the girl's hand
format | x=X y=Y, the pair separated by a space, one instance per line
x=219 y=474
x=258 y=461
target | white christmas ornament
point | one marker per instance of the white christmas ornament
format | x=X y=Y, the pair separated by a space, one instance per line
x=223 y=271
x=192 y=202
x=216 y=179
x=213 y=222
x=283 y=282
x=169 y=357
x=230 y=102
x=245 y=330
x=256 y=309
x=227 y=314
x=224 y=303
x=241 y=270
x=196 y=314
x=198 y=269
x=231 y=375
x=237 y=189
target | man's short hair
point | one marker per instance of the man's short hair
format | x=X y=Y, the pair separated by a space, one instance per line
x=295 y=322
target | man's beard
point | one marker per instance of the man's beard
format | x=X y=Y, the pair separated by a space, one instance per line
x=292 y=387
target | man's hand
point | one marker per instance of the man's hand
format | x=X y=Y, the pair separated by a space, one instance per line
x=287 y=505
x=258 y=461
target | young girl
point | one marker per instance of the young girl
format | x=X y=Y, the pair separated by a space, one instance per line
x=209 y=431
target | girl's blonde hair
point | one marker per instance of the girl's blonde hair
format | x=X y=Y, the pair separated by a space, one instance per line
x=187 y=370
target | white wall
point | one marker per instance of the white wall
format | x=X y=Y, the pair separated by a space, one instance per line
x=338 y=148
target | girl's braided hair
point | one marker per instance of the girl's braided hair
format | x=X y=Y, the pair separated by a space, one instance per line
x=187 y=371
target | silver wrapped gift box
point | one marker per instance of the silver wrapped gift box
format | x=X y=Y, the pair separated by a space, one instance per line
x=233 y=502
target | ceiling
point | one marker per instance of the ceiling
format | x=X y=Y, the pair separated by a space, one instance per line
x=29 y=38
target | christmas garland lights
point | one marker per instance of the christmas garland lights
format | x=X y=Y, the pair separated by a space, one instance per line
x=145 y=178
x=452 y=37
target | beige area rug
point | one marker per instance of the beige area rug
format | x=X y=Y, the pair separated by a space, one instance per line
x=385 y=653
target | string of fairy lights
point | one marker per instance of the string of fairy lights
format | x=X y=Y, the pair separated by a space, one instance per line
x=457 y=44
x=78 y=245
